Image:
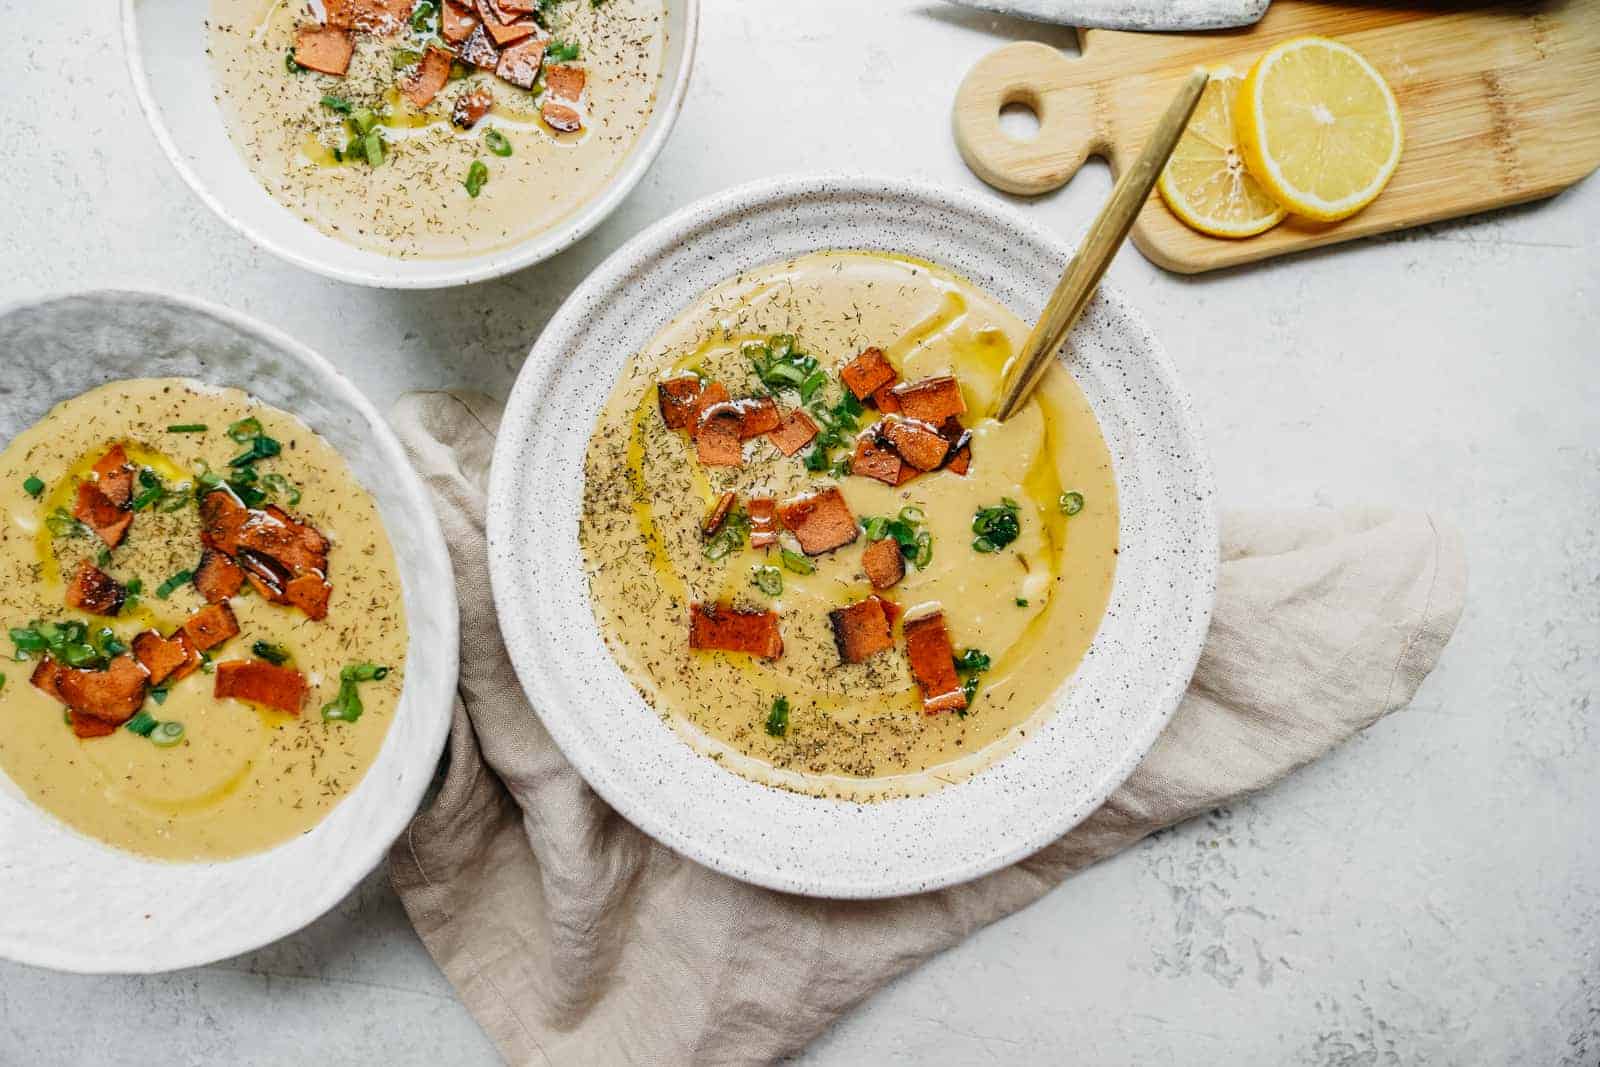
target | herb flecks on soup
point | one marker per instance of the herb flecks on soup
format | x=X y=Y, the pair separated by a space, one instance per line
x=435 y=127
x=816 y=554
x=188 y=572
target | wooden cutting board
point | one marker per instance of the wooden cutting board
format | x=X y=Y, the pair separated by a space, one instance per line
x=1501 y=104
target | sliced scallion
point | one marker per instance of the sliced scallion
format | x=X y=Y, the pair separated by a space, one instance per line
x=188 y=427
x=477 y=175
x=166 y=734
x=33 y=486
x=170 y=586
x=498 y=143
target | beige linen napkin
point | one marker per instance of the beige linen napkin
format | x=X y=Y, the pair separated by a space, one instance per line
x=575 y=939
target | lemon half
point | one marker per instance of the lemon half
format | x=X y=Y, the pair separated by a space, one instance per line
x=1205 y=183
x=1319 y=127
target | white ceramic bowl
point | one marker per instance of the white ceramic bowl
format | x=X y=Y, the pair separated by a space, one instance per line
x=166 y=46
x=74 y=904
x=1107 y=714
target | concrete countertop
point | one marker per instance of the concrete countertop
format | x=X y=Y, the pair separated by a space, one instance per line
x=1430 y=893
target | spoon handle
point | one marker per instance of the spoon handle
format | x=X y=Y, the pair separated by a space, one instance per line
x=1099 y=245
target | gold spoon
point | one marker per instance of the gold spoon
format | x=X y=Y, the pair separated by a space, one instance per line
x=1089 y=265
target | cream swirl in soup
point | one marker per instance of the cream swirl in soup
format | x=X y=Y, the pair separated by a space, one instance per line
x=815 y=553
x=205 y=619
x=435 y=128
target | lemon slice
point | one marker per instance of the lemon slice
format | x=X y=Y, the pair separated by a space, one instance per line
x=1205 y=183
x=1319 y=127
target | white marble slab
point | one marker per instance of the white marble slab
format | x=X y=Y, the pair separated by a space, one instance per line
x=1429 y=894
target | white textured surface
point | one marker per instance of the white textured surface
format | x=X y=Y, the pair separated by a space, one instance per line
x=1111 y=708
x=1429 y=894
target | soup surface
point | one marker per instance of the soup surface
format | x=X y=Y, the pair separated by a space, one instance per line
x=188 y=577
x=866 y=620
x=392 y=155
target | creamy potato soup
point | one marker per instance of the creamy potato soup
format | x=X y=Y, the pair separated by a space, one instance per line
x=814 y=552
x=204 y=618
x=435 y=128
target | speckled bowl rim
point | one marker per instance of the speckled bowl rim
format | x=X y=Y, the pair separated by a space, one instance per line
x=433 y=705
x=446 y=273
x=523 y=578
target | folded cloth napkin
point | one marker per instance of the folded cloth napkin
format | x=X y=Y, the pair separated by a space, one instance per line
x=574 y=938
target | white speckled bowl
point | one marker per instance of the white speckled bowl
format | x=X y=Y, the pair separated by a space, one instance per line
x=1108 y=713
x=72 y=903
x=165 y=42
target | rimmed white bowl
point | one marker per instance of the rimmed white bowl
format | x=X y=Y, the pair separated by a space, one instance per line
x=166 y=46
x=1107 y=714
x=75 y=904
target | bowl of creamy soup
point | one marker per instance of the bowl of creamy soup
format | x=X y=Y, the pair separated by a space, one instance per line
x=227 y=635
x=788 y=594
x=412 y=143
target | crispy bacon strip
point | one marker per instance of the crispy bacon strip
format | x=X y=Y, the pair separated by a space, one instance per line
x=713 y=627
x=217 y=577
x=520 y=63
x=716 y=436
x=114 y=476
x=757 y=415
x=112 y=695
x=884 y=563
x=795 y=432
x=280 y=688
x=504 y=31
x=324 y=49
x=95 y=591
x=763 y=512
x=718 y=514
x=166 y=658
x=931 y=400
x=310 y=592
x=820 y=521
x=479 y=50
x=46 y=678
x=861 y=630
x=561 y=108
x=380 y=17
x=679 y=400
x=885 y=400
x=109 y=522
x=471 y=107
x=919 y=444
x=211 y=626
x=933 y=664
x=430 y=76
x=457 y=21
x=284 y=559
x=867 y=373
x=873 y=460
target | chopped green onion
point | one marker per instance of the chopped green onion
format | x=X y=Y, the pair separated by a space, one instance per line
x=60 y=524
x=912 y=514
x=245 y=430
x=336 y=103
x=167 y=734
x=289 y=63
x=170 y=586
x=102 y=558
x=1071 y=503
x=269 y=652
x=972 y=660
x=28 y=640
x=796 y=562
x=769 y=580
x=497 y=142
x=278 y=485
x=260 y=448
x=196 y=427
x=404 y=58
x=142 y=723
x=364 y=672
x=175 y=500
x=33 y=486
x=562 y=51
x=996 y=527
x=2 y=681
x=145 y=498
x=364 y=119
x=778 y=717
x=108 y=643
x=372 y=146
x=80 y=655
x=1022 y=602
x=817 y=459
x=811 y=385
x=477 y=174
x=422 y=16
x=876 y=527
x=922 y=553
x=346 y=707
